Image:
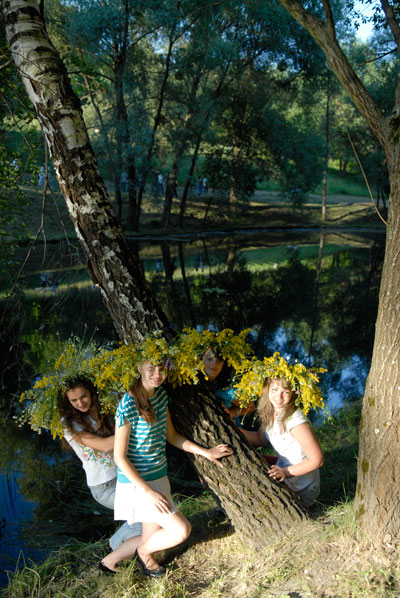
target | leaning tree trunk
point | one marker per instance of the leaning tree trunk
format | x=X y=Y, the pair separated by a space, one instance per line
x=253 y=505
x=133 y=308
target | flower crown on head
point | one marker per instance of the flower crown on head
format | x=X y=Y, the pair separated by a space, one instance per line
x=182 y=357
x=192 y=344
x=113 y=371
x=303 y=381
x=42 y=401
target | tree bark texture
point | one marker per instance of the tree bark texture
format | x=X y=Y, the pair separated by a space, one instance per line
x=244 y=489
x=378 y=480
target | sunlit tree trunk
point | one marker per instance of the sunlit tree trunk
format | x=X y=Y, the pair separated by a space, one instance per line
x=181 y=143
x=233 y=198
x=124 y=146
x=256 y=506
x=378 y=480
x=196 y=149
x=169 y=194
x=316 y=294
x=189 y=180
x=172 y=296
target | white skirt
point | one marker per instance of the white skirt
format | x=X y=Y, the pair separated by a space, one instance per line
x=132 y=504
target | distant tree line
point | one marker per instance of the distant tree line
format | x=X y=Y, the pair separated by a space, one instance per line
x=237 y=92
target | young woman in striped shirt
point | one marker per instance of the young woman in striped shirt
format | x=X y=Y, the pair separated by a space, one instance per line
x=143 y=425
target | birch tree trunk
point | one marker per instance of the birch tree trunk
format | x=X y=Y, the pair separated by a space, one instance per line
x=378 y=479
x=252 y=501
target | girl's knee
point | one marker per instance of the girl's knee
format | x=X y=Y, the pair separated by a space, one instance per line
x=187 y=529
x=183 y=529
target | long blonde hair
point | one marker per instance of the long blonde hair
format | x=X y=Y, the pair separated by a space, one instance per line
x=266 y=409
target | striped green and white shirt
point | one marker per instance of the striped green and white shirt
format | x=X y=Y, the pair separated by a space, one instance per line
x=146 y=448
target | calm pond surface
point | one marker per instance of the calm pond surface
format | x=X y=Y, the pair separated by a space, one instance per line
x=312 y=297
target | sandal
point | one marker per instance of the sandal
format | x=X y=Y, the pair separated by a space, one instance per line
x=106 y=569
x=159 y=572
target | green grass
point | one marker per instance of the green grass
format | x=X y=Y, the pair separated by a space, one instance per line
x=352 y=185
x=58 y=224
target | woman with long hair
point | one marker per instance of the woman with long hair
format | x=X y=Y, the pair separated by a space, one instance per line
x=288 y=430
x=90 y=434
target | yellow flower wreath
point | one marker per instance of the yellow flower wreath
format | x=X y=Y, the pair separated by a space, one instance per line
x=113 y=371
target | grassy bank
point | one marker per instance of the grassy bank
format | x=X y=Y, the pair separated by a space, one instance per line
x=351 y=184
x=264 y=210
x=326 y=556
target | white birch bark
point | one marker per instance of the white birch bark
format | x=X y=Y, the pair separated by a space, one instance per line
x=58 y=110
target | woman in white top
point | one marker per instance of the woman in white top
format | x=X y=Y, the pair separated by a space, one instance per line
x=91 y=436
x=289 y=432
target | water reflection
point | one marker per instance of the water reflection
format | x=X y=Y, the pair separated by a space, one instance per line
x=15 y=510
x=314 y=299
x=44 y=499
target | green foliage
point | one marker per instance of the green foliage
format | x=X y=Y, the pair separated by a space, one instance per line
x=338 y=437
x=298 y=161
x=223 y=173
x=13 y=204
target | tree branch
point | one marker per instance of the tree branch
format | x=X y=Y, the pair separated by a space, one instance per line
x=330 y=23
x=378 y=57
x=395 y=29
x=338 y=62
x=391 y=21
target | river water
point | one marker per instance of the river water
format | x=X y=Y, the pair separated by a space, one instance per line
x=312 y=297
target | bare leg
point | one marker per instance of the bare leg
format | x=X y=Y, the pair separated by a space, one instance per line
x=125 y=551
x=154 y=538
x=148 y=530
x=176 y=528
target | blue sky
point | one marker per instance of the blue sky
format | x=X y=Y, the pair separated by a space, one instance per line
x=365 y=29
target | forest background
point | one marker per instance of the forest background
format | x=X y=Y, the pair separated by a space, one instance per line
x=247 y=102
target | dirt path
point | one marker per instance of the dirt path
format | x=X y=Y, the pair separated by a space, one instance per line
x=261 y=197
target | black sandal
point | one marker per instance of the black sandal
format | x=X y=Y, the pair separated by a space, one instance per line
x=159 y=572
x=106 y=569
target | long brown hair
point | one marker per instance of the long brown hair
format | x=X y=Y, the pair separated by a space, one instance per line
x=142 y=402
x=266 y=409
x=71 y=415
